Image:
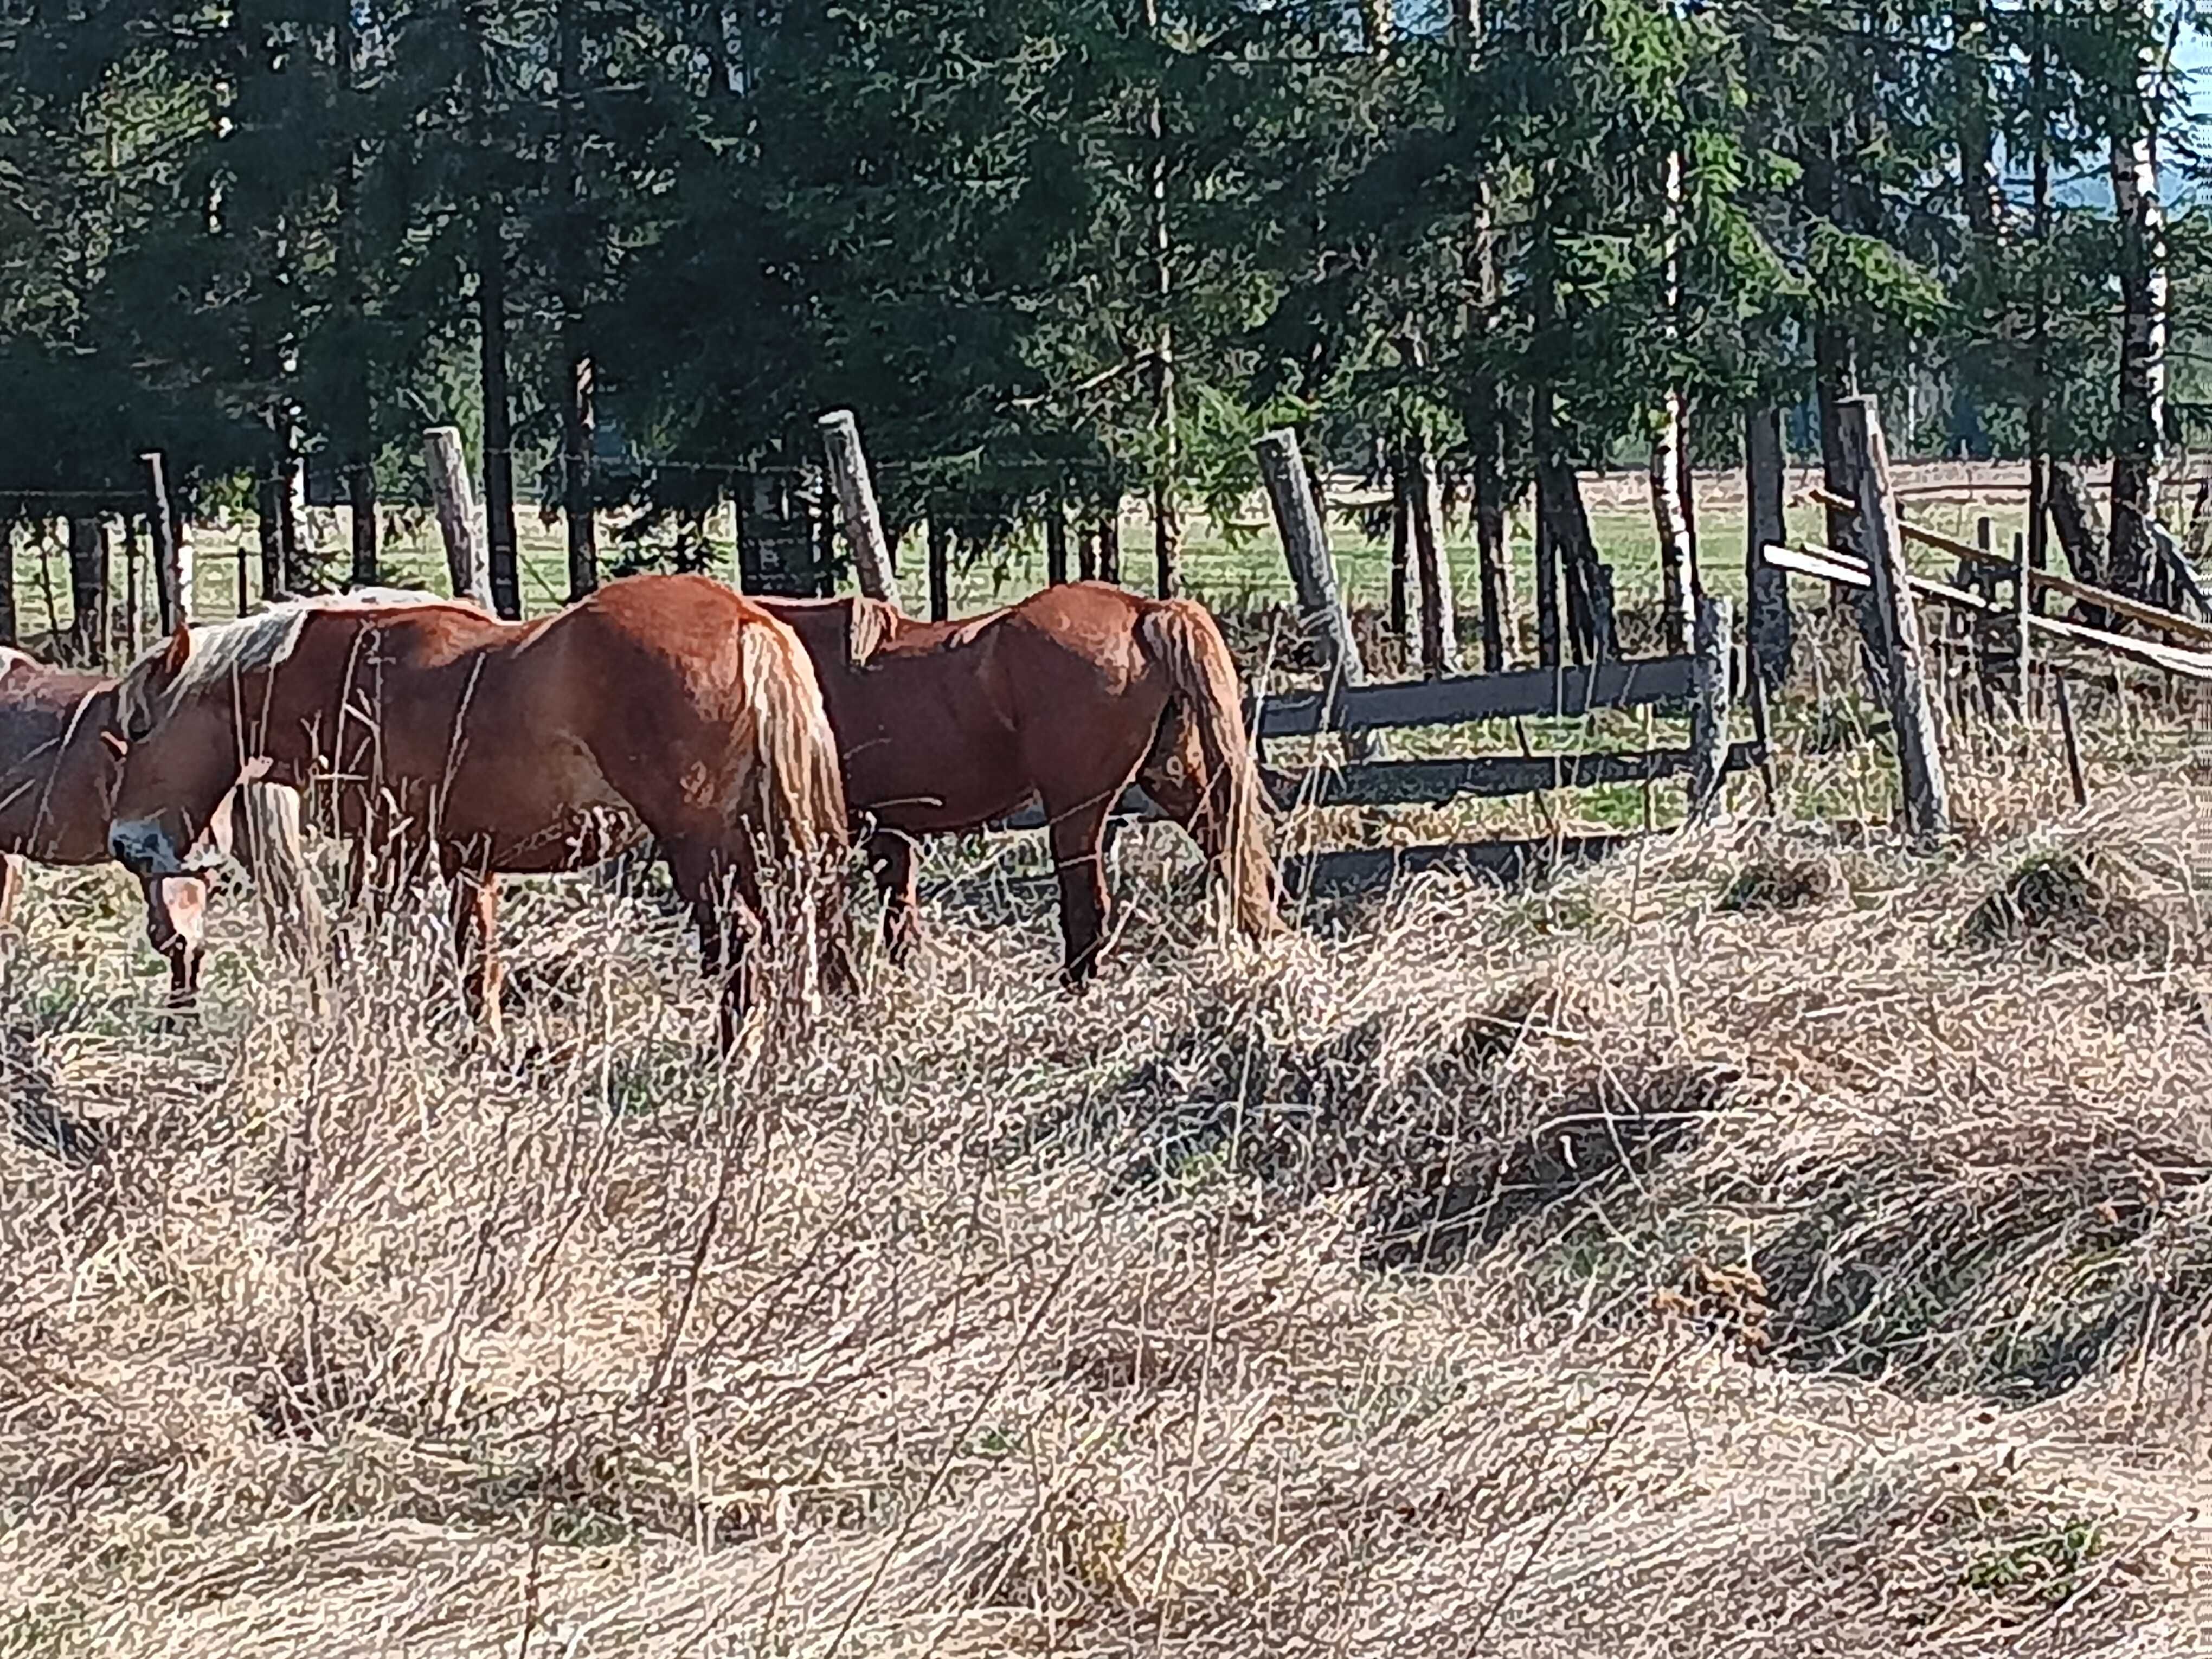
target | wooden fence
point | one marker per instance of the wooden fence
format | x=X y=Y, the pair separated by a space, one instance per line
x=1699 y=683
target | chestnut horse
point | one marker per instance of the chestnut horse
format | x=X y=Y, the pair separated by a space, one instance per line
x=57 y=778
x=420 y=727
x=1063 y=698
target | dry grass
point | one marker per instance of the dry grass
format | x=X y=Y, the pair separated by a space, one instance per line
x=1620 y=1267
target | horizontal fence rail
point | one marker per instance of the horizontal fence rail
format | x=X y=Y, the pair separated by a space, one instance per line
x=1516 y=693
x=1433 y=783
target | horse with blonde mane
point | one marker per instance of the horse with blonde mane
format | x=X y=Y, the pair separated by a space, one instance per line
x=58 y=780
x=430 y=733
x=1064 y=699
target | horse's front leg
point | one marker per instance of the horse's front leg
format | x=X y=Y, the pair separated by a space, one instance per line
x=474 y=900
x=11 y=886
x=176 y=926
x=892 y=860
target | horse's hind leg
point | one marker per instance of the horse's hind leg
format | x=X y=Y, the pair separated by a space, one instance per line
x=892 y=860
x=724 y=894
x=474 y=900
x=1077 y=835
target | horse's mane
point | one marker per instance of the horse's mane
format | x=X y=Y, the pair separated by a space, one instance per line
x=870 y=625
x=878 y=623
x=261 y=638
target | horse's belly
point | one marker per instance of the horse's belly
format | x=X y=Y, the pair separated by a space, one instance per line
x=966 y=791
x=556 y=813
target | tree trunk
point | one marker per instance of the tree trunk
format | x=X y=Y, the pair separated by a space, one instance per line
x=1401 y=541
x=574 y=397
x=1110 y=540
x=940 y=568
x=1559 y=504
x=1166 y=521
x=1439 y=625
x=1668 y=511
x=1493 y=557
x=1548 y=592
x=88 y=557
x=2138 y=425
x=1671 y=517
x=361 y=502
x=1835 y=374
x=1834 y=380
x=9 y=628
x=357 y=454
x=1978 y=173
x=1086 y=550
x=1055 y=541
x=1167 y=542
x=2039 y=406
x=2074 y=515
x=269 y=531
x=491 y=330
x=498 y=430
x=1374 y=29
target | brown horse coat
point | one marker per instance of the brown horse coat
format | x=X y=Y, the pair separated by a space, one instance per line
x=422 y=728
x=1064 y=698
x=57 y=778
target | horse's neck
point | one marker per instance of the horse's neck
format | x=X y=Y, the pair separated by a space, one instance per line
x=54 y=771
x=41 y=707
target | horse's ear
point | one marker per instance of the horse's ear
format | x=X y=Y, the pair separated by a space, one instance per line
x=180 y=652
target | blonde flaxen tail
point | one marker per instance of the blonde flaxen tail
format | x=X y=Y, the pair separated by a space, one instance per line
x=1181 y=637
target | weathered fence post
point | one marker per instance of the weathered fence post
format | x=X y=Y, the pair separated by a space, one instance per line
x=172 y=563
x=856 y=505
x=1313 y=568
x=1768 y=621
x=1711 y=636
x=245 y=590
x=1895 y=638
x=2023 y=606
x=468 y=560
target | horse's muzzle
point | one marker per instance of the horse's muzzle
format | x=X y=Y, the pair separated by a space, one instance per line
x=144 y=848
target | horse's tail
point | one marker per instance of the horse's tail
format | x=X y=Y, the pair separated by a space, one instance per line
x=1180 y=636
x=801 y=792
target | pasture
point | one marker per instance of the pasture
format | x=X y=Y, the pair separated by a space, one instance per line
x=1760 y=1239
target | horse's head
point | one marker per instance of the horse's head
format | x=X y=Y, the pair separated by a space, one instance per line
x=176 y=730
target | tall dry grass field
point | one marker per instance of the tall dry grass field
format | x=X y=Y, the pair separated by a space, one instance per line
x=1763 y=1242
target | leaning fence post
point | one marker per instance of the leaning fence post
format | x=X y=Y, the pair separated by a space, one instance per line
x=172 y=563
x=1313 y=568
x=1769 y=622
x=468 y=559
x=856 y=505
x=1895 y=637
x=1709 y=739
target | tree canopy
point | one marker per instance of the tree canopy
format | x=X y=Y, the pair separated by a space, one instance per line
x=1053 y=251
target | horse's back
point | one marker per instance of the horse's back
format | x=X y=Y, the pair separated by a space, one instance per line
x=675 y=686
